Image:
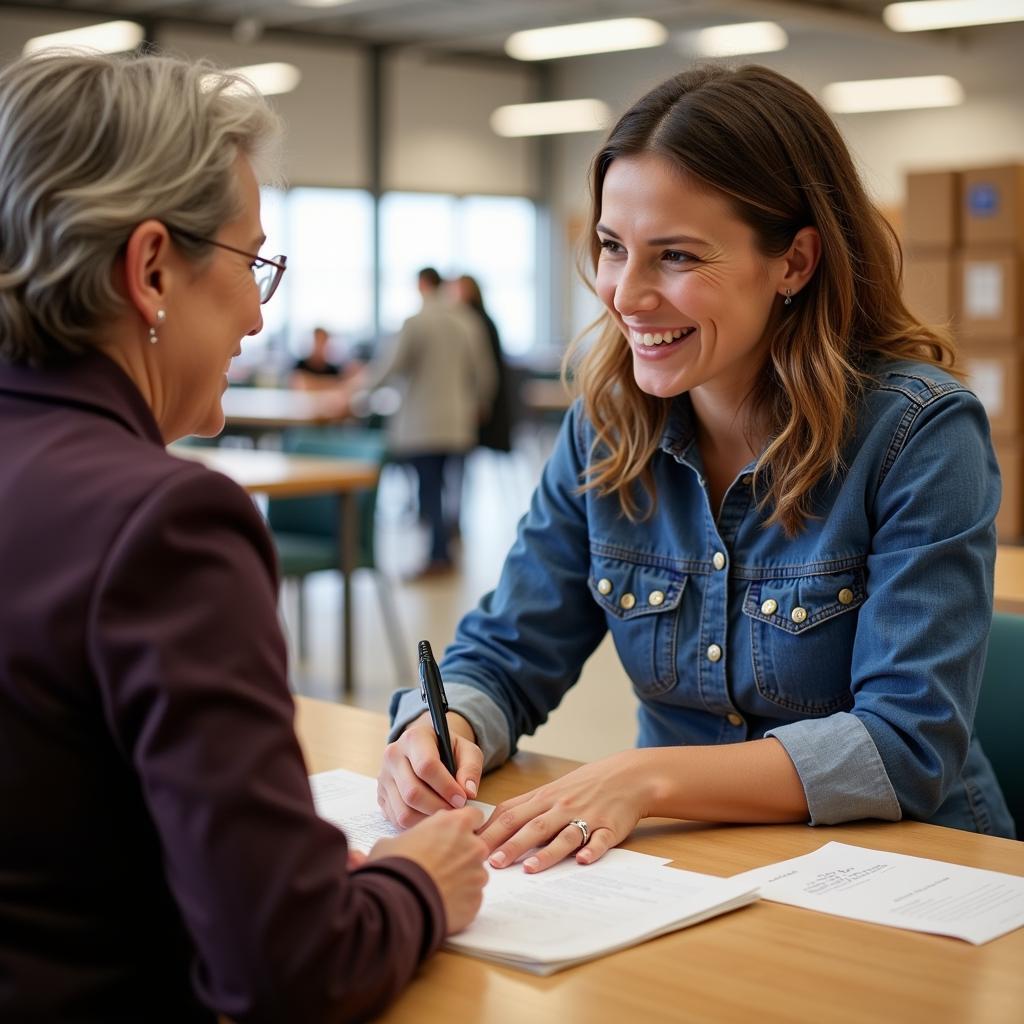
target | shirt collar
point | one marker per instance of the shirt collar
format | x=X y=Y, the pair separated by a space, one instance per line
x=92 y=382
x=679 y=433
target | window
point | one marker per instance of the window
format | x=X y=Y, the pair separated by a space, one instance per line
x=491 y=237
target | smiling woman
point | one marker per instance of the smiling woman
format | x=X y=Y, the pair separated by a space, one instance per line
x=164 y=861
x=773 y=492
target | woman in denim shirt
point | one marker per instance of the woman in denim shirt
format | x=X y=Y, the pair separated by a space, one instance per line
x=774 y=492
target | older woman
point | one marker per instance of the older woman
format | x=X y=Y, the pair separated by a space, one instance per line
x=160 y=857
x=774 y=493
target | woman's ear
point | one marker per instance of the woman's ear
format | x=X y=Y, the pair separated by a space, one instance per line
x=800 y=261
x=146 y=269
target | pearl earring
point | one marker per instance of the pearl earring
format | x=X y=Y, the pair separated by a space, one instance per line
x=161 y=316
x=788 y=301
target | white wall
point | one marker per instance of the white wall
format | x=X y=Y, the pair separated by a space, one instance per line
x=437 y=136
x=325 y=117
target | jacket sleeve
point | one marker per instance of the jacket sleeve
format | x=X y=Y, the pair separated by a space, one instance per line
x=516 y=655
x=190 y=661
x=919 y=652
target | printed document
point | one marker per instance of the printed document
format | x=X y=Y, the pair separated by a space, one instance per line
x=563 y=916
x=894 y=889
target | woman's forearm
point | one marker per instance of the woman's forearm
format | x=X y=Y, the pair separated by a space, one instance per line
x=752 y=782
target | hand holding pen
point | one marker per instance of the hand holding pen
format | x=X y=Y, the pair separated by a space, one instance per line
x=415 y=781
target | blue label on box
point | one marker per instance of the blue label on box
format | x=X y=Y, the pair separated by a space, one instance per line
x=983 y=200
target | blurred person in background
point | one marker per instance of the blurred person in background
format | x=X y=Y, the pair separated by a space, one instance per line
x=441 y=364
x=496 y=426
x=316 y=370
x=160 y=856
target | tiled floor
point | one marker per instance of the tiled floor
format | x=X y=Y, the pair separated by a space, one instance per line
x=597 y=716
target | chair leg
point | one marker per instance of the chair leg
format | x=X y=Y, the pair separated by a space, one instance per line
x=393 y=626
x=300 y=616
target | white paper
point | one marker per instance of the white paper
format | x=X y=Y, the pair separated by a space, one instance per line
x=896 y=890
x=559 y=917
x=571 y=913
x=983 y=290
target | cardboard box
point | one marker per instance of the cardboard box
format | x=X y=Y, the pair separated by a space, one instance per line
x=929 y=286
x=1010 y=518
x=931 y=218
x=989 y=294
x=995 y=373
x=992 y=206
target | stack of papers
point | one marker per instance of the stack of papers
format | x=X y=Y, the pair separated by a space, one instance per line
x=560 y=917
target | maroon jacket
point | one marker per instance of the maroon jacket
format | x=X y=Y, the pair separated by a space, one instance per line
x=160 y=858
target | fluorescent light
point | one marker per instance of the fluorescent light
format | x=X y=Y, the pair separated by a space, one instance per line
x=892 y=94
x=270 y=79
x=556 y=118
x=107 y=37
x=586 y=37
x=930 y=14
x=731 y=40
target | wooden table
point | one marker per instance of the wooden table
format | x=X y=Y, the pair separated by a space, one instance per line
x=1009 y=588
x=282 y=475
x=765 y=963
x=259 y=409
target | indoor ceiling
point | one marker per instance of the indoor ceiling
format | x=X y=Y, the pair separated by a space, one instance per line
x=476 y=26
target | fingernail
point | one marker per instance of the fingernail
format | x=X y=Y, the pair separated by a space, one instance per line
x=531 y=864
x=498 y=859
x=584 y=858
x=458 y=800
x=471 y=787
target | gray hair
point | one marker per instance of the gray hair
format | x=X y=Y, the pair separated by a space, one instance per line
x=91 y=146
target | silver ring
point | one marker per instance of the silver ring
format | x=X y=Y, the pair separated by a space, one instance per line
x=584 y=831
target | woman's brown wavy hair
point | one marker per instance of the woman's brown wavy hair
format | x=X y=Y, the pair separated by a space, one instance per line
x=770 y=149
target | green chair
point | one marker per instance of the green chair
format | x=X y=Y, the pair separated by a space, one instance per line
x=1000 y=714
x=306 y=530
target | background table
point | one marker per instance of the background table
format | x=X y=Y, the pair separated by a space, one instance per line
x=280 y=475
x=764 y=963
x=260 y=409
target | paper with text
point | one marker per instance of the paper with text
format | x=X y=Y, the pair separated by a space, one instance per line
x=562 y=916
x=897 y=890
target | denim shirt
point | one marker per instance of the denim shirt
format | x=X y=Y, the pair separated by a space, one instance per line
x=859 y=644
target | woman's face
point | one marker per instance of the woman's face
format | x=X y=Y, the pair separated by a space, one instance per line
x=682 y=277
x=207 y=318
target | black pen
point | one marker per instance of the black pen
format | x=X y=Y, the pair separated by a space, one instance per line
x=432 y=692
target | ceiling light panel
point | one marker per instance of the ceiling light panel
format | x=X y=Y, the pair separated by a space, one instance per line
x=585 y=37
x=558 y=117
x=892 y=94
x=106 y=37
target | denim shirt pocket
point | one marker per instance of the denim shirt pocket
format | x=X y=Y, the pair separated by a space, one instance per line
x=641 y=606
x=802 y=631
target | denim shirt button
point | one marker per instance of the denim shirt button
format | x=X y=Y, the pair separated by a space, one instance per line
x=769 y=607
x=714 y=653
x=798 y=614
x=604 y=587
x=627 y=601
x=718 y=560
x=845 y=595
x=657 y=597
x=733 y=719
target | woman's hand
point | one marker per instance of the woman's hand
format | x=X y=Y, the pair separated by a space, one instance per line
x=449 y=850
x=414 y=784
x=610 y=795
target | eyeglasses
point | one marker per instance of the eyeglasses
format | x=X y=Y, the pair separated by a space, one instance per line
x=267 y=272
